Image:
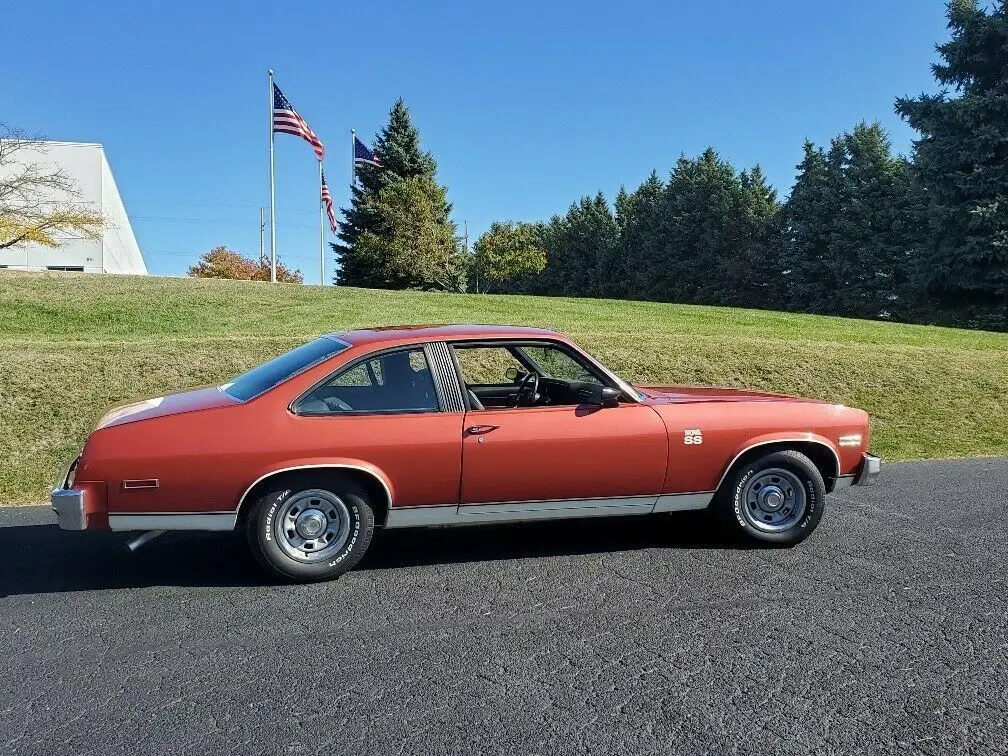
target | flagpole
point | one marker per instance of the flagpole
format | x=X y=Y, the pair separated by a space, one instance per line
x=353 y=160
x=272 y=193
x=321 y=228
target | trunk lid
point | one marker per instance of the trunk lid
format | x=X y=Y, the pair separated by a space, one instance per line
x=172 y=404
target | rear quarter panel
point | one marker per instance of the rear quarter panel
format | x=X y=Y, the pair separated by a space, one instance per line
x=205 y=460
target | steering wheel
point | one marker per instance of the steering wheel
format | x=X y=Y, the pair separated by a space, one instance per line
x=530 y=380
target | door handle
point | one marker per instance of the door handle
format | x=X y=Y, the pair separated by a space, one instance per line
x=479 y=430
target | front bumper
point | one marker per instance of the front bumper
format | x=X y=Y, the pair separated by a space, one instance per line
x=867 y=473
x=871 y=466
x=68 y=504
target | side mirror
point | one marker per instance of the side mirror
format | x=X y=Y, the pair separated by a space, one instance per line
x=610 y=397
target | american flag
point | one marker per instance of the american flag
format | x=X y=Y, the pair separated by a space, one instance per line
x=327 y=199
x=286 y=120
x=362 y=155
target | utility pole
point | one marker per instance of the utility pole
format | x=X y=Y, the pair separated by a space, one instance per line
x=262 y=230
x=468 y=259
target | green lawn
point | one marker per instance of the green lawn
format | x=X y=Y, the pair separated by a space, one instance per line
x=73 y=344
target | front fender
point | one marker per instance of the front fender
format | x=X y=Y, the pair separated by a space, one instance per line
x=776 y=438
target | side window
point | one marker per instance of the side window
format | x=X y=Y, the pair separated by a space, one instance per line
x=556 y=363
x=482 y=366
x=398 y=381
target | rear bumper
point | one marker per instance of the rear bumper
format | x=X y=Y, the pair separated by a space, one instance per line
x=867 y=473
x=68 y=504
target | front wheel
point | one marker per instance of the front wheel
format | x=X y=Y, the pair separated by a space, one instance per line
x=776 y=499
x=315 y=528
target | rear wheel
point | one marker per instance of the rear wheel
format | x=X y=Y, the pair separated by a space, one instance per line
x=774 y=499
x=314 y=528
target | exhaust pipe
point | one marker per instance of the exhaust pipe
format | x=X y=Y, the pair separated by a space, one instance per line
x=143 y=538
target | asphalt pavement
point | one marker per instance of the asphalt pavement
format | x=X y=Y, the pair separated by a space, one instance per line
x=885 y=632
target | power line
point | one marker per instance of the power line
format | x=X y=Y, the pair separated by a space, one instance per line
x=237 y=206
x=175 y=219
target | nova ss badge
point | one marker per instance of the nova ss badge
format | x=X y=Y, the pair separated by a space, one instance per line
x=692 y=436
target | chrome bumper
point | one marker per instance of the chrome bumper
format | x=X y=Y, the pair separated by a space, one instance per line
x=68 y=504
x=871 y=466
x=869 y=470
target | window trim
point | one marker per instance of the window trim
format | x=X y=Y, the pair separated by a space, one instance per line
x=605 y=376
x=422 y=346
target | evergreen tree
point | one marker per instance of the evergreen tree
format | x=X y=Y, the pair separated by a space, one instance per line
x=851 y=242
x=400 y=157
x=872 y=246
x=962 y=162
x=637 y=216
x=410 y=246
x=579 y=247
x=713 y=244
x=809 y=216
x=750 y=268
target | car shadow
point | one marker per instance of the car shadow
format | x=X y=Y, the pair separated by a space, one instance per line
x=44 y=559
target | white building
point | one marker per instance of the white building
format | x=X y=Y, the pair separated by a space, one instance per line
x=116 y=250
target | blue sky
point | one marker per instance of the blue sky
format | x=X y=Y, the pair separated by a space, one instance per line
x=526 y=106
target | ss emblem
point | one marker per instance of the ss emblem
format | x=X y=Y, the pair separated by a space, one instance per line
x=692 y=436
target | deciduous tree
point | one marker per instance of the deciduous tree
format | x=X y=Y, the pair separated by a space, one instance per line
x=221 y=262
x=506 y=253
x=39 y=203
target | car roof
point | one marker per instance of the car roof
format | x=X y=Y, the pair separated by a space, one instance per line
x=421 y=333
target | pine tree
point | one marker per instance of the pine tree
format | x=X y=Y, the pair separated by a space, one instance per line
x=397 y=149
x=637 y=217
x=410 y=247
x=851 y=242
x=578 y=247
x=751 y=268
x=809 y=217
x=962 y=162
x=872 y=246
x=702 y=234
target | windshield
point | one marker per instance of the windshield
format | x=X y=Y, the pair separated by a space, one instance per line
x=269 y=374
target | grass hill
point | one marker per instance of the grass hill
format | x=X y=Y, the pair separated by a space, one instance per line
x=73 y=344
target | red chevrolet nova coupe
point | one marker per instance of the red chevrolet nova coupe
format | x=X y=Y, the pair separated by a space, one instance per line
x=444 y=425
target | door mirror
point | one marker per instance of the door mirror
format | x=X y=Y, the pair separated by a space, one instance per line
x=610 y=397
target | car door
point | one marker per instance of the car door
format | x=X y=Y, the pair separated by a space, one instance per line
x=390 y=410
x=573 y=456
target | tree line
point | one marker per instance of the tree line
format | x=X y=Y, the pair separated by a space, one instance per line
x=864 y=232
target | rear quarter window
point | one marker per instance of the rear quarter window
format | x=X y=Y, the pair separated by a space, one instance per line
x=261 y=379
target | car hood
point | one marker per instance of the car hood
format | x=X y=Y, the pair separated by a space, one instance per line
x=172 y=404
x=688 y=394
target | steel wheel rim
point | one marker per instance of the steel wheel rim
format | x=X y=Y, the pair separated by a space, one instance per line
x=774 y=500
x=312 y=525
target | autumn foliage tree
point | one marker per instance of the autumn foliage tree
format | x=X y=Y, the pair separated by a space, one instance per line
x=221 y=262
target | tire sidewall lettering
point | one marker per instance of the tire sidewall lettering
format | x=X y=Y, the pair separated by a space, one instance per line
x=267 y=531
x=811 y=499
x=811 y=504
x=355 y=513
x=738 y=497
